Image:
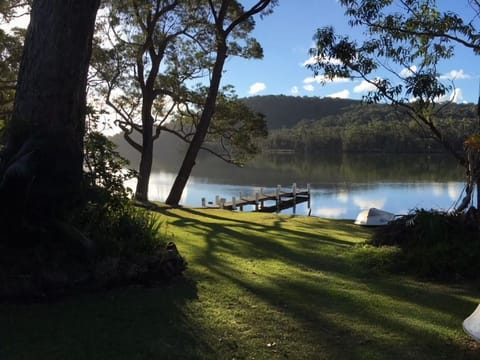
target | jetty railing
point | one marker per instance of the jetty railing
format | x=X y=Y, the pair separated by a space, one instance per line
x=282 y=200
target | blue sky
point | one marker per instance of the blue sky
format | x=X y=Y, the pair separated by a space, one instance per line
x=286 y=36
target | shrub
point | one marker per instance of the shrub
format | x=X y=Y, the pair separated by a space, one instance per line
x=106 y=241
x=435 y=244
x=109 y=218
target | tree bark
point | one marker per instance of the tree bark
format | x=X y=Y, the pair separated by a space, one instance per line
x=41 y=169
x=146 y=158
x=222 y=34
x=181 y=180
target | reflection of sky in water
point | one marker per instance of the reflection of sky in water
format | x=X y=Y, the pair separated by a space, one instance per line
x=328 y=200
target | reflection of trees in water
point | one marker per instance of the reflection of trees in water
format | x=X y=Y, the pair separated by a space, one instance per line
x=368 y=167
x=272 y=169
x=269 y=170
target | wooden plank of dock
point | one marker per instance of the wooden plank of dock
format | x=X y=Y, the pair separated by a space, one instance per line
x=283 y=200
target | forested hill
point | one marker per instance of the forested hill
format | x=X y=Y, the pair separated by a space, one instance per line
x=314 y=125
x=318 y=125
x=283 y=111
x=286 y=111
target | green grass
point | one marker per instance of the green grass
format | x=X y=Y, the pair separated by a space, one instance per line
x=259 y=286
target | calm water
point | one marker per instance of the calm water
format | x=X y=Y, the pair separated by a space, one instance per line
x=341 y=186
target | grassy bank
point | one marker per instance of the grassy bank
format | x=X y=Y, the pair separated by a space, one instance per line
x=259 y=286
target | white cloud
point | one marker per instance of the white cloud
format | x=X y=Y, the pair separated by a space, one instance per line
x=294 y=90
x=456 y=96
x=455 y=75
x=256 y=88
x=309 y=87
x=344 y=94
x=319 y=79
x=364 y=86
x=316 y=59
x=408 y=71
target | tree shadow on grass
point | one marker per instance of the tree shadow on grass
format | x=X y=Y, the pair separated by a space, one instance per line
x=378 y=316
x=356 y=327
x=247 y=239
x=129 y=323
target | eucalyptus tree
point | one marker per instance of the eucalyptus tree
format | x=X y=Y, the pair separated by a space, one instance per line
x=41 y=166
x=230 y=24
x=234 y=131
x=11 y=9
x=406 y=40
x=137 y=39
x=149 y=56
x=11 y=45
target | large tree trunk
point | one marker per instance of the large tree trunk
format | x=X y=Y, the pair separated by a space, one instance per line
x=145 y=168
x=181 y=180
x=41 y=167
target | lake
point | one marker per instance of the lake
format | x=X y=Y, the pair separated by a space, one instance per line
x=341 y=185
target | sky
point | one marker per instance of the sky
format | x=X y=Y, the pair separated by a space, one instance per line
x=286 y=37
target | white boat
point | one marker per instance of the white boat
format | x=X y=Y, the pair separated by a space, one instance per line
x=374 y=217
x=471 y=325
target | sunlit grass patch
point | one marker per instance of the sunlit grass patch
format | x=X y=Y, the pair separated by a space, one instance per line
x=260 y=286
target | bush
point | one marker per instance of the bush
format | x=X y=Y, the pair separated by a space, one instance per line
x=109 y=217
x=435 y=244
x=106 y=241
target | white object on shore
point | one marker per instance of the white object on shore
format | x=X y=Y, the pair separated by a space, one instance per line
x=374 y=217
x=471 y=325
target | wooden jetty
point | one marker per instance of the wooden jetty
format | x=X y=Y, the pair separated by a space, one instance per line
x=281 y=200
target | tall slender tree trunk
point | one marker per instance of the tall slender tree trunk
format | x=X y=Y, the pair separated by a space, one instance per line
x=41 y=169
x=144 y=171
x=222 y=34
x=181 y=180
x=146 y=158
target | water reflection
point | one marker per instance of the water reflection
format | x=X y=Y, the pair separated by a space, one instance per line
x=341 y=186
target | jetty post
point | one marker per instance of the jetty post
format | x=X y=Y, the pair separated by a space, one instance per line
x=277 y=197
x=283 y=200
x=294 y=193
x=309 y=199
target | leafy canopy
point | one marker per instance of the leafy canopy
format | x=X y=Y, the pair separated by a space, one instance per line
x=406 y=41
x=153 y=57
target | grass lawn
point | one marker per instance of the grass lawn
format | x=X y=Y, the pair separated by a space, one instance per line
x=259 y=286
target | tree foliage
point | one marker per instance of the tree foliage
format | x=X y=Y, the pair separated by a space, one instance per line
x=234 y=132
x=314 y=125
x=406 y=39
x=156 y=50
x=227 y=19
x=11 y=45
x=10 y=9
